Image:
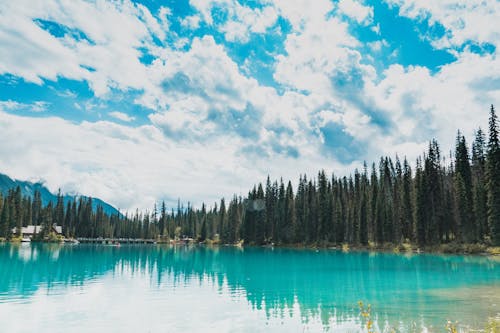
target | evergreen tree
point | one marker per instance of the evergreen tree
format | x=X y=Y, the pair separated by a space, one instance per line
x=407 y=225
x=203 y=233
x=493 y=179
x=162 y=223
x=463 y=194
x=59 y=210
x=289 y=225
x=223 y=221
x=372 y=225
x=479 y=184
x=324 y=207
x=36 y=208
x=270 y=206
x=363 y=208
x=420 y=224
x=259 y=207
x=5 y=220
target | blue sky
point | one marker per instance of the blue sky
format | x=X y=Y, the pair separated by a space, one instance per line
x=139 y=101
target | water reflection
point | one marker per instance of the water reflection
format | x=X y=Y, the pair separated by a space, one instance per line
x=313 y=286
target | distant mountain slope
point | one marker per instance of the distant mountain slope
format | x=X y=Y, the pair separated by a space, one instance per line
x=29 y=188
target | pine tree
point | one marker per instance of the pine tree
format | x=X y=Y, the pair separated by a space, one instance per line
x=363 y=208
x=398 y=213
x=300 y=210
x=479 y=184
x=222 y=221
x=407 y=229
x=163 y=219
x=493 y=179
x=260 y=215
x=433 y=194
x=289 y=225
x=324 y=207
x=372 y=225
x=463 y=194
x=5 y=220
x=420 y=224
x=36 y=208
x=17 y=211
x=203 y=233
x=270 y=206
x=59 y=210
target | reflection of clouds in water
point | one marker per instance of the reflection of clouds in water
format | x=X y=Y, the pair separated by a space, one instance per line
x=232 y=289
x=124 y=304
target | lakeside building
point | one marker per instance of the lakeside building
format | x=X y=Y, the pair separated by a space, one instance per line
x=32 y=230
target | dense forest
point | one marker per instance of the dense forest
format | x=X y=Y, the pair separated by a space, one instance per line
x=437 y=202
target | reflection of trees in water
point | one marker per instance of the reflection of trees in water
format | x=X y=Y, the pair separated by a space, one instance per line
x=321 y=284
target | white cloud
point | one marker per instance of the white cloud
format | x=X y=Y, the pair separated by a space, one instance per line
x=241 y=21
x=121 y=116
x=248 y=21
x=198 y=103
x=324 y=46
x=191 y=22
x=109 y=60
x=215 y=130
x=356 y=10
x=37 y=106
x=133 y=167
x=465 y=20
x=302 y=12
x=422 y=105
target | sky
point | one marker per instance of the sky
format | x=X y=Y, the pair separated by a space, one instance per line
x=137 y=102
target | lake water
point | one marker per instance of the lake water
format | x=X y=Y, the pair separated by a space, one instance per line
x=149 y=288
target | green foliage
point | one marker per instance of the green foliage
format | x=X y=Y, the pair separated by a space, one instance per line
x=493 y=325
x=366 y=316
x=52 y=237
x=472 y=248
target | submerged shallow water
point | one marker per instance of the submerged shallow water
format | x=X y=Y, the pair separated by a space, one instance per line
x=149 y=288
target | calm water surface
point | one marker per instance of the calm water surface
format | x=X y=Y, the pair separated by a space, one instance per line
x=97 y=288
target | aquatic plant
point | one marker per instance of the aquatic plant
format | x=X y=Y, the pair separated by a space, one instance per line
x=365 y=313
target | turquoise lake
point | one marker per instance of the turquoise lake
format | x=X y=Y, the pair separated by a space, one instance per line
x=152 y=288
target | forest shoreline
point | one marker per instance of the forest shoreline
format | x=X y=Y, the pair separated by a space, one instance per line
x=448 y=205
x=405 y=248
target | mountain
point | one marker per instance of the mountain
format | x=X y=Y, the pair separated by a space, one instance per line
x=29 y=188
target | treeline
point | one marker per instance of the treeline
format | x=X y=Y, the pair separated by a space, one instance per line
x=437 y=202
x=77 y=217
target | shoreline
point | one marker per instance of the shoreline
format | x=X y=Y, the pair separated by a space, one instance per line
x=457 y=249
x=405 y=248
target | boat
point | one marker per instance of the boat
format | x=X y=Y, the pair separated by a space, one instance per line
x=25 y=240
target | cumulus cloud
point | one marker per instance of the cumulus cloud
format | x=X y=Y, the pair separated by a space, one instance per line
x=133 y=167
x=121 y=116
x=423 y=105
x=356 y=10
x=241 y=20
x=191 y=22
x=90 y=43
x=215 y=130
x=466 y=20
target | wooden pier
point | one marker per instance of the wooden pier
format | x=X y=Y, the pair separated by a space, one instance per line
x=116 y=240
